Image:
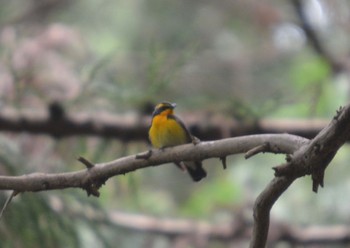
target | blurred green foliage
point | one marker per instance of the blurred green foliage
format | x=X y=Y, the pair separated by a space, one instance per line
x=216 y=194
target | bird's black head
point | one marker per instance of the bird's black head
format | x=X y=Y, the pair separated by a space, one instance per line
x=164 y=108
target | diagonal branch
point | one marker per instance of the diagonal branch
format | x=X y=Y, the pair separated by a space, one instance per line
x=312 y=158
x=262 y=208
x=314 y=40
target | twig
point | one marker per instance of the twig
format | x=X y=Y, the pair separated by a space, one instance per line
x=223 y=161
x=8 y=200
x=86 y=162
x=261 y=148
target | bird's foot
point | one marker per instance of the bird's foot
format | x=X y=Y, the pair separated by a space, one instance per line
x=195 y=140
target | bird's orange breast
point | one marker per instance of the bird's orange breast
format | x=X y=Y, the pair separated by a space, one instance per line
x=165 y=132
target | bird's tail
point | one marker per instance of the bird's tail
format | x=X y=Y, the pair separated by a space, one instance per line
x=195 y=170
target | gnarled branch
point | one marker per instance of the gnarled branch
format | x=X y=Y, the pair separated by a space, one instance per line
x=96 y=175
x=312 y=158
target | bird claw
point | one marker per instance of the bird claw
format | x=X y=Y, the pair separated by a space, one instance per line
x=195 y=140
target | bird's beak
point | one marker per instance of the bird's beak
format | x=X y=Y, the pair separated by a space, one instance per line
x=173 y=105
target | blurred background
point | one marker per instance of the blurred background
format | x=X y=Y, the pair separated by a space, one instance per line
x=282 y=63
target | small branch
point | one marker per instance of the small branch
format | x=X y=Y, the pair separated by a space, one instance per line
x=86 y=162
x=262 y=148
x=9 y=199
x=223 y=161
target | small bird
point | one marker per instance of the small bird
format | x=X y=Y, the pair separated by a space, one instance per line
x=168 y=130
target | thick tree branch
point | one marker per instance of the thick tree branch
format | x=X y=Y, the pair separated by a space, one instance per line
x=312 y=158
x=92 y=178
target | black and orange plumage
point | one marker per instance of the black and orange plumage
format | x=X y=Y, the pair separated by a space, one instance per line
x=168 y=130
